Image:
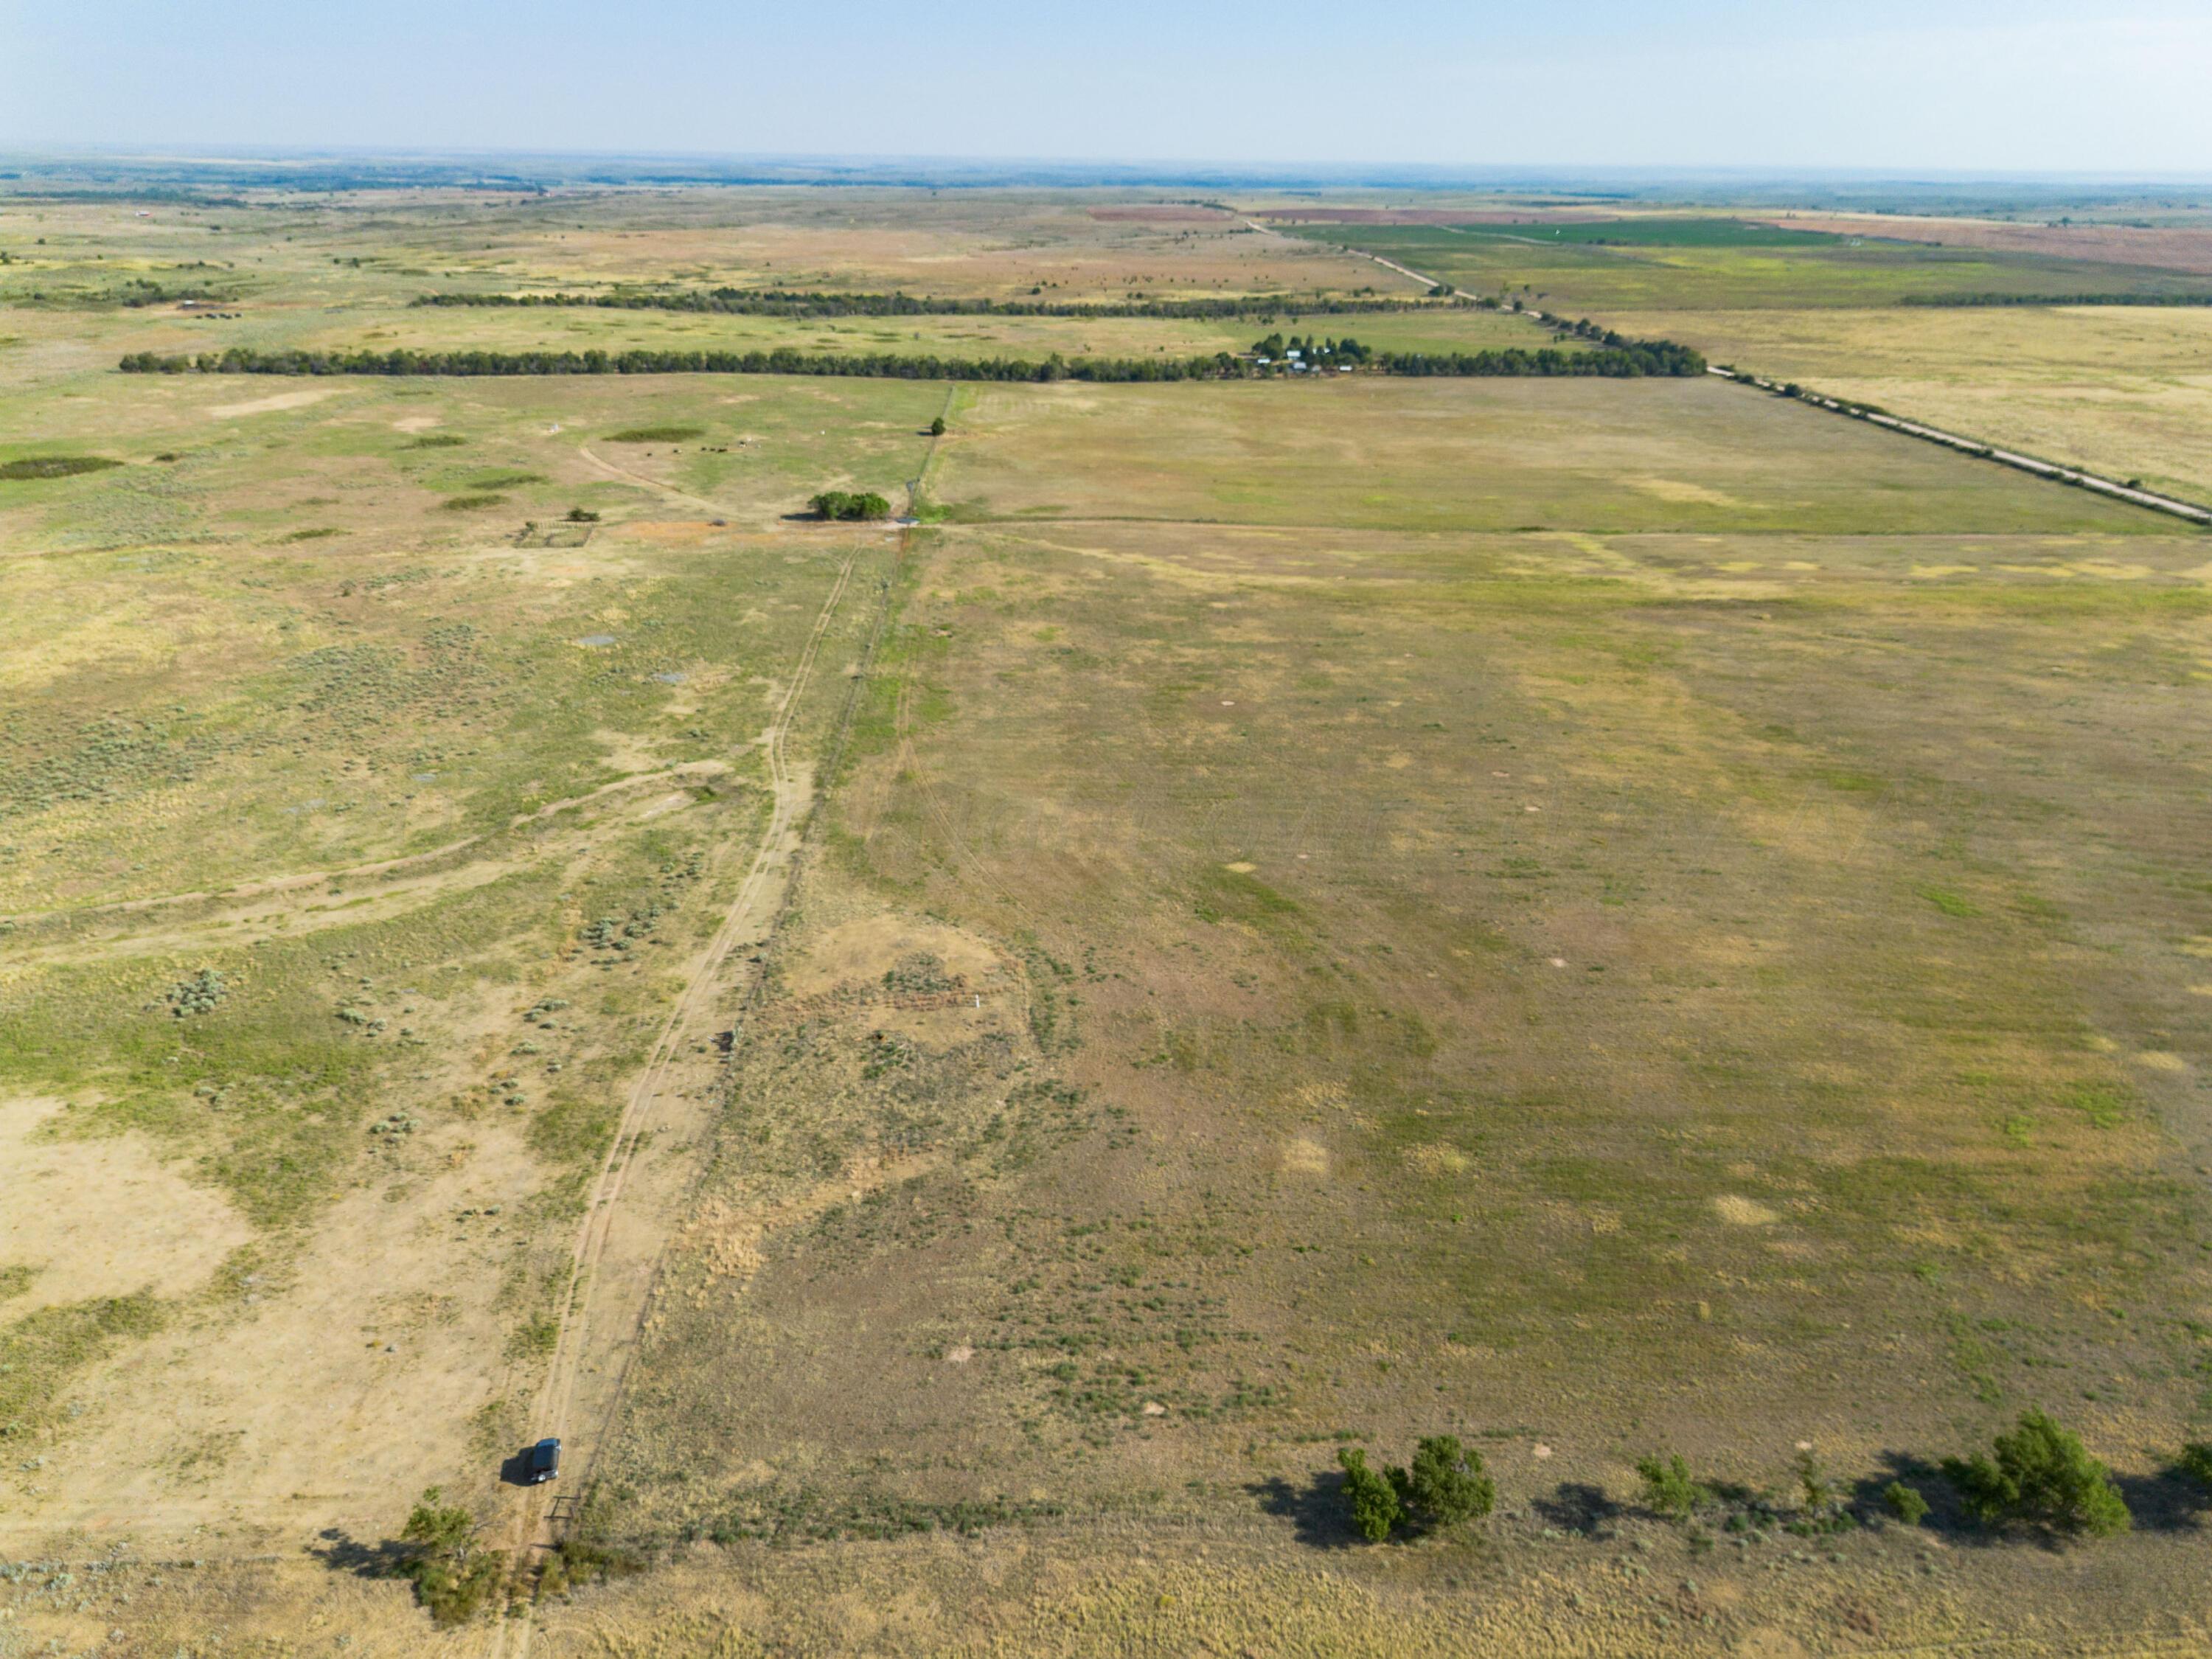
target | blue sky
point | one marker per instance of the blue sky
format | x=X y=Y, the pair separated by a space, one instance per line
x=1955 y=85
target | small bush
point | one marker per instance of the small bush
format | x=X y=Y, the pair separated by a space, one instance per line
x=1444 y=1487
x=2040 y=1477
x=656 y=434
x=198 y=995
x=937 y=427
x=2196 y=1462
x=1370 y=1501
x=582 y=515
x=470 y=503
x=1904 y=1503
x=452 y=1577
x=55 y=466
x=1668 y=1488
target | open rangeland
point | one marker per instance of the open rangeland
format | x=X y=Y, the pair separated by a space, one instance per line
x=960 y=1065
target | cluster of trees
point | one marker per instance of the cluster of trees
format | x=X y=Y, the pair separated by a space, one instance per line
x=1640 y=358
x=1959 y=300
x=1444 y=1486
x=837 y=504
x=2037 y=1477
x=1346 y=350
x=792 y=302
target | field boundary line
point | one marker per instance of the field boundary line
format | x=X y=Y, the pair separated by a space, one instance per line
x=2049 y=471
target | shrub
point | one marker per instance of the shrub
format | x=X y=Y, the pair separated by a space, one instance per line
x=198 y=995
x=836 y=504
x=656 y=435
x=1904 y=1503
x=2042 y=1477
x=1668 y=1488
x=452 y=1577
x=582 y=515
x=937 y=427
x=55 y=466
x=1371 y=1502
x=2196 y=1462
x=1445 y=1486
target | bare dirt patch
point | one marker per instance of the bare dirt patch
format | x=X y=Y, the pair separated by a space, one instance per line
x=2189 y=250
x=270 y=405
x=102 y=1217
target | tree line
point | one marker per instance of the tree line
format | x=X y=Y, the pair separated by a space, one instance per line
x=793 y=302
x=1960 y=301
x=1632 y=360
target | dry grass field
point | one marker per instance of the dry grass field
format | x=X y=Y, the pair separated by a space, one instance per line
x=958 y=1065
x=2123 y=391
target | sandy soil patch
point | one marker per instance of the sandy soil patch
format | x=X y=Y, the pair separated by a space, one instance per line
x=1305 y=1156
x=270 y=405
x=860 y=952
x=1435 y=1160
x=102 y=1217
x=1679 y=489
x=416 y=423
x=340 y=1385
x=1743 y=1212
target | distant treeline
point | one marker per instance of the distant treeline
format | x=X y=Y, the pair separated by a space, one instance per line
x=792 y=302
x=1966 y=300
x=1630 y=361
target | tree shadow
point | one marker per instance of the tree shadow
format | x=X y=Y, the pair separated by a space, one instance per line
x=1577 y=1506
x=1315 y=1511
x=2168 y=1501
x=342 y=1553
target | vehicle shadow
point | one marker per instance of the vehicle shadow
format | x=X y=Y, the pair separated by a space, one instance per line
x=515 y=1471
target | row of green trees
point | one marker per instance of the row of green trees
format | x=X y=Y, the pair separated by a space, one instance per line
x=2037 y=1478
x=1634 y=361
x=793 y=302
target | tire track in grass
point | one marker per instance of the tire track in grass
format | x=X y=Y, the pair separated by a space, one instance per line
x=533 y=1527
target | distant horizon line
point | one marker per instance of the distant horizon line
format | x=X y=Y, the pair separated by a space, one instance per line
x=1162 y=171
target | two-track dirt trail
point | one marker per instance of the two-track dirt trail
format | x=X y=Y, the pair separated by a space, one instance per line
x=626 y=1219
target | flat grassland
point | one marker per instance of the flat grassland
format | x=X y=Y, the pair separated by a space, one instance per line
x=1599 y=917
x=2123 y=391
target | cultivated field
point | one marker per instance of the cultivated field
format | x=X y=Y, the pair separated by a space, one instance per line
x=959 y=1064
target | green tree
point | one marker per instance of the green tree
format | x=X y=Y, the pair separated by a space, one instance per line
x=452 y=1577
x=2041 y=1476
x=1445 y=1485
x=1904 y=1503
x=937 y=427
x=2196 y=1462
x=1668 y=1488
x=1370 y=1500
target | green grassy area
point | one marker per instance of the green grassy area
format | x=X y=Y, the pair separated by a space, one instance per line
x=1688 y=456
x=1656 y=232
x=1576 y=988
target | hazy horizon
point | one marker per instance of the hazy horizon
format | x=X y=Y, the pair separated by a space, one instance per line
x=1951 y=88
